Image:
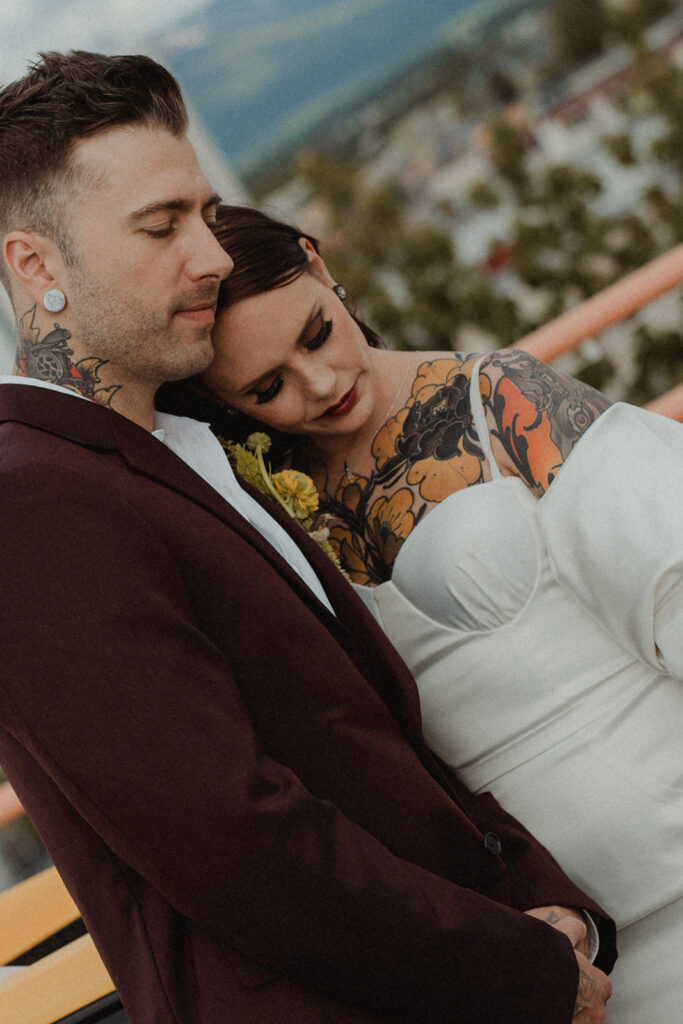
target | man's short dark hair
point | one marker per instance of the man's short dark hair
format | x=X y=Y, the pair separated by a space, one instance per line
x=66 y=97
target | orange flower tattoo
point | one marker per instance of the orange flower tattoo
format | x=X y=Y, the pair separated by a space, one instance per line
x=367 y=555
x=432 y=437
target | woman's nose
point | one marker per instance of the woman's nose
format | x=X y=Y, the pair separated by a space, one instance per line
x=320 y=381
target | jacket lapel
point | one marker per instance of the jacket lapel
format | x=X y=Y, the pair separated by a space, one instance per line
x=95 y=427
x=101 y=429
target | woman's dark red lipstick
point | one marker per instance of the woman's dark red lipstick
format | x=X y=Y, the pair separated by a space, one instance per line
x=344 y=405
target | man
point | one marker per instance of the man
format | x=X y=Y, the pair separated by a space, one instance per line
x=218 y=745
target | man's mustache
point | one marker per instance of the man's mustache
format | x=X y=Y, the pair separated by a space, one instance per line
x=198 y=299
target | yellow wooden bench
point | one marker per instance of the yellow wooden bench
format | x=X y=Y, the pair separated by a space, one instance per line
x=32 y=911
x=58 y=985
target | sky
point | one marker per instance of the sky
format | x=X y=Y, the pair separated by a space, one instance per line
x=110 y=26
x=256 y=73
x=259 y=74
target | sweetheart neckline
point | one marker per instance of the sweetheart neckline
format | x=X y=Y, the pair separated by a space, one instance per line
x=499 y=481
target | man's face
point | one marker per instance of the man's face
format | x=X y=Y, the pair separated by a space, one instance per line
x=142 y=289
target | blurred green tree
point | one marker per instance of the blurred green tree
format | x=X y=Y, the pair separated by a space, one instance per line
x=580 y=30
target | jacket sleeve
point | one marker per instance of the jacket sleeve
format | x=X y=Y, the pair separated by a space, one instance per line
x=118 y=695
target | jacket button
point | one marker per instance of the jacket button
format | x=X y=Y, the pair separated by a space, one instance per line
x=493 y=844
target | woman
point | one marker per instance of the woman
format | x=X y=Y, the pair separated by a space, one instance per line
x=537 y=603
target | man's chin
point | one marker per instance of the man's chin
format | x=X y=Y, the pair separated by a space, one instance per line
x=197 y=356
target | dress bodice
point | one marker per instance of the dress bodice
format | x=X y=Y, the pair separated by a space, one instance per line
x=543 y=647
x=473 y=588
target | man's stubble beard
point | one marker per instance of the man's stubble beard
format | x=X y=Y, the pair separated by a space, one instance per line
x=137 y=342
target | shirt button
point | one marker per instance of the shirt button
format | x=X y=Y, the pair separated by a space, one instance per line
x=493 y=844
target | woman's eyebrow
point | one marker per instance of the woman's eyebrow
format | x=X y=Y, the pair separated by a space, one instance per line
x=313 y=316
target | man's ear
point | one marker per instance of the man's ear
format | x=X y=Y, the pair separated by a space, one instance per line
x=316 y=262
x=34 y=262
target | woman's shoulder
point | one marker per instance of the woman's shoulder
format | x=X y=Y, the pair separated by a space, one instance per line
x=445 y=359
x=536 y=414
x=431 y=371
x=429 y=443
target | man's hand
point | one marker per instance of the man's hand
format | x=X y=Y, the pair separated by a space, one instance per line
x=566 y=920
x=594 y=990
x=594 y=987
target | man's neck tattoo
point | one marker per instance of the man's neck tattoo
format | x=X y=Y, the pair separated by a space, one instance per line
x=49 y=359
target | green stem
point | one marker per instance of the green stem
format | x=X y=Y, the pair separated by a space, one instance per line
x=269 y=483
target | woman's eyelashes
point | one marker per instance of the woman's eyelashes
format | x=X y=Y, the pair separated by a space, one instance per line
x=270 y=392
x=321 y=337
x=274 y=389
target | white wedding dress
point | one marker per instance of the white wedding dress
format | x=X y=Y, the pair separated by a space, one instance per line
x=546 y=638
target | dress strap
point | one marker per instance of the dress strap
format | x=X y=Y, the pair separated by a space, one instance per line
x=479 y=417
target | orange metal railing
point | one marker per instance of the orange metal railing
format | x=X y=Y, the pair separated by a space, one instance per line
x=10 y=808
x=608 y=307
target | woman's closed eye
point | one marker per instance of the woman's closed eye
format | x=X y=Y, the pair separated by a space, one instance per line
x=321 y=337
x=274 y=389
x=269 y=393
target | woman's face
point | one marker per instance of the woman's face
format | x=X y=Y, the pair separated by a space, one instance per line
x=295 y=359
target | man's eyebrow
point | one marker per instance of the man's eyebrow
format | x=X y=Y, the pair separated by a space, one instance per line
x=315 y=313
x=165 y=205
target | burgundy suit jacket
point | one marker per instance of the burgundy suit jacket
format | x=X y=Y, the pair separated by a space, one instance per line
x=231 y=780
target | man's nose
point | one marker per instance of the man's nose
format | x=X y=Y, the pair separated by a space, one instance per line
x=208 y=258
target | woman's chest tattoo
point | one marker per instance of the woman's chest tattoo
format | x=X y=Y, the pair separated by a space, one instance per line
x=420 y=456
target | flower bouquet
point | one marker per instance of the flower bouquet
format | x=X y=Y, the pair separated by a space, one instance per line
x=292 y=490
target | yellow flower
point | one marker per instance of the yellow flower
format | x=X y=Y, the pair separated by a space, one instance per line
x=245 y=465
x=293 y=491
x=298 y=492
x=259 y=441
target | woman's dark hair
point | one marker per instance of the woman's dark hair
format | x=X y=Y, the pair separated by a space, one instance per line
x=266 y=254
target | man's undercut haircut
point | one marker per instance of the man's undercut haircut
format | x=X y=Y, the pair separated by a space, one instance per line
x=66 y=97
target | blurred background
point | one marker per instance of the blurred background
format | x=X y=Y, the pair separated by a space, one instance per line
x=473 y=168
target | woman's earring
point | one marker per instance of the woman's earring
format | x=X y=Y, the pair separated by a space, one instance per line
x=54 y=300
x=340 y=291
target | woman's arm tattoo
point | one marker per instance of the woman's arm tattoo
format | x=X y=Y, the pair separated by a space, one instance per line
x=539 y=414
